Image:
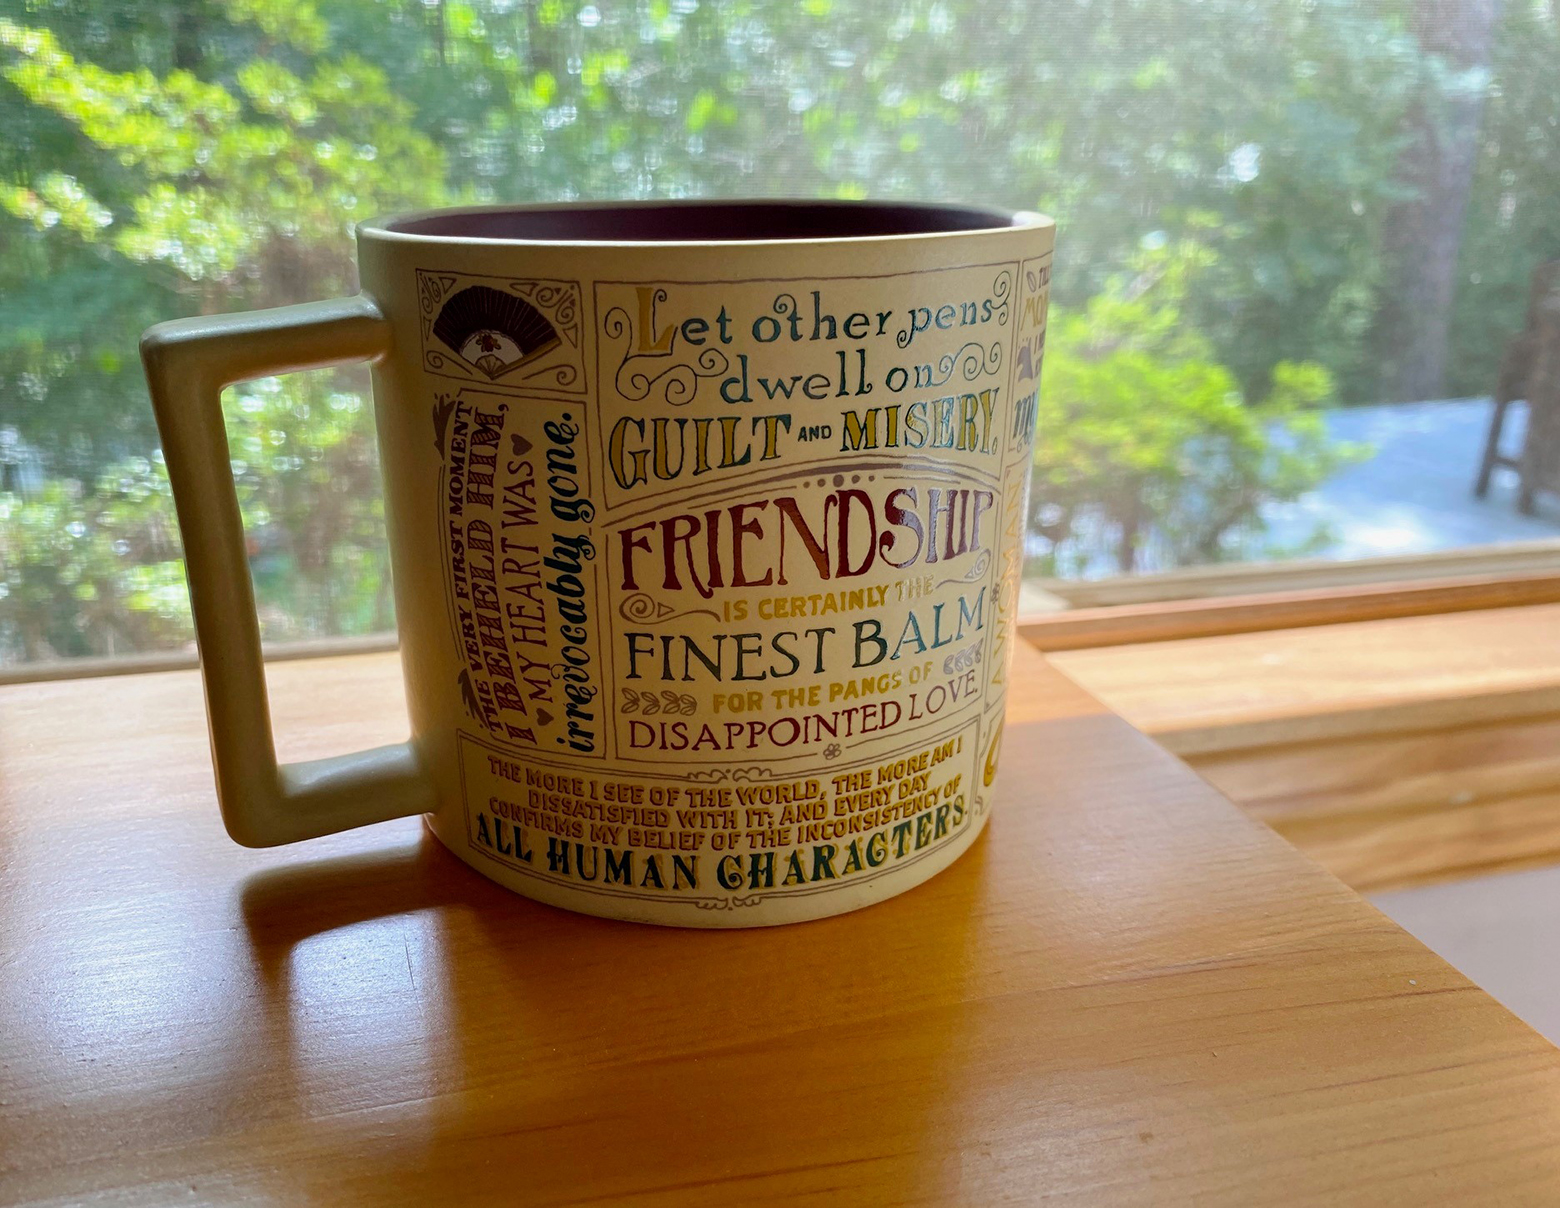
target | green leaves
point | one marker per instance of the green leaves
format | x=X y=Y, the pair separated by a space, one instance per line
x=1220 y=170
x=543 y=88
x=295 y=22
x=93 y=572
x=219 y=179
x=146 y=122
x=196 y=231
x=700 y=111
x=1143 y=434
x=234 y=183
x=275 y=91
x=57 y=199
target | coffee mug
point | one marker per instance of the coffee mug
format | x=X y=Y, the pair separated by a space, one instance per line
x=706 y=523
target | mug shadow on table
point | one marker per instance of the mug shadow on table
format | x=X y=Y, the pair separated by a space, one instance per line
x=284 y=906
x=601 y=1054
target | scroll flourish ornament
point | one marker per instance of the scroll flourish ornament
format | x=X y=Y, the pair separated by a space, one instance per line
x=734 y=902
x=973 y=359
x=1001 y=288
x=975 y=573
x=644 y=609
x=640 y=373
x=718 y=774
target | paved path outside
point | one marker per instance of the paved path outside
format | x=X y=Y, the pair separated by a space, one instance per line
x=1416 y=494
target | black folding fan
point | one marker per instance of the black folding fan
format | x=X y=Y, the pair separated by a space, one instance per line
x=493 y=331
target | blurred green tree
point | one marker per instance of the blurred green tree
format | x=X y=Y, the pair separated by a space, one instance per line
x=168 y=158
x=92 y=572
x=207 y=158
x=1149 y=436
x=1513 y=220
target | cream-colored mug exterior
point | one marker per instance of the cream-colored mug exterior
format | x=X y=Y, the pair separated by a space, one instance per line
x=706 y=553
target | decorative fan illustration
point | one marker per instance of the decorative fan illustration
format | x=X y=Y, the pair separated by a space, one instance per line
x=492 y=331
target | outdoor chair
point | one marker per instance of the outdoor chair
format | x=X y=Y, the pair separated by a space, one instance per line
x=1530 y=372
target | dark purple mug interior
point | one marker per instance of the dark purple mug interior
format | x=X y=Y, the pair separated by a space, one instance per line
x=658 y=222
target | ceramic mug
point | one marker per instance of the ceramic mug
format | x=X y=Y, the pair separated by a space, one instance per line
x=706 y=523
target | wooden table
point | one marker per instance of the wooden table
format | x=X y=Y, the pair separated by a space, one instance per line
x=1127 y=992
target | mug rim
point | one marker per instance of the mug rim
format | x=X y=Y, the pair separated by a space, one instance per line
x=391 y=228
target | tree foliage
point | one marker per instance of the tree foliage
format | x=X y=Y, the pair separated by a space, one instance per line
x=168 y=158
x=1514 y=219
x=1150 y=438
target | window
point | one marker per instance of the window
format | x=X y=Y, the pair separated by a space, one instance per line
x=1289 y=234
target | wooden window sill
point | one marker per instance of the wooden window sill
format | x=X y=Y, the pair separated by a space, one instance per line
x=1509 y=560
x=1395 y=752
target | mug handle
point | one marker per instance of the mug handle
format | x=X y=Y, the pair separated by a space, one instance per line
x=188 y=363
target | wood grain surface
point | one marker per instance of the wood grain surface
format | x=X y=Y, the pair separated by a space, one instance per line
x=1384 y=811
x=1173 y=620
x=1127 y=992
x=1385 y=676
x=1515 y=560
x=1395 y=753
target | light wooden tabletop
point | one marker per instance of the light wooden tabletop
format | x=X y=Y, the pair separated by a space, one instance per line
x=1127 y=992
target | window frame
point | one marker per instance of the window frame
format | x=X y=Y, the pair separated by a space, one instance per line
x=1206 y=601
x=1201 y=601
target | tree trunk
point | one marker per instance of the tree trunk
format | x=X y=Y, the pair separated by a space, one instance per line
x=1423 y=233
x=187 y=22
x=1131 y=527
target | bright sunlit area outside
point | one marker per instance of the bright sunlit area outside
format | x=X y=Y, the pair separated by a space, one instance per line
x=1301 y=253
